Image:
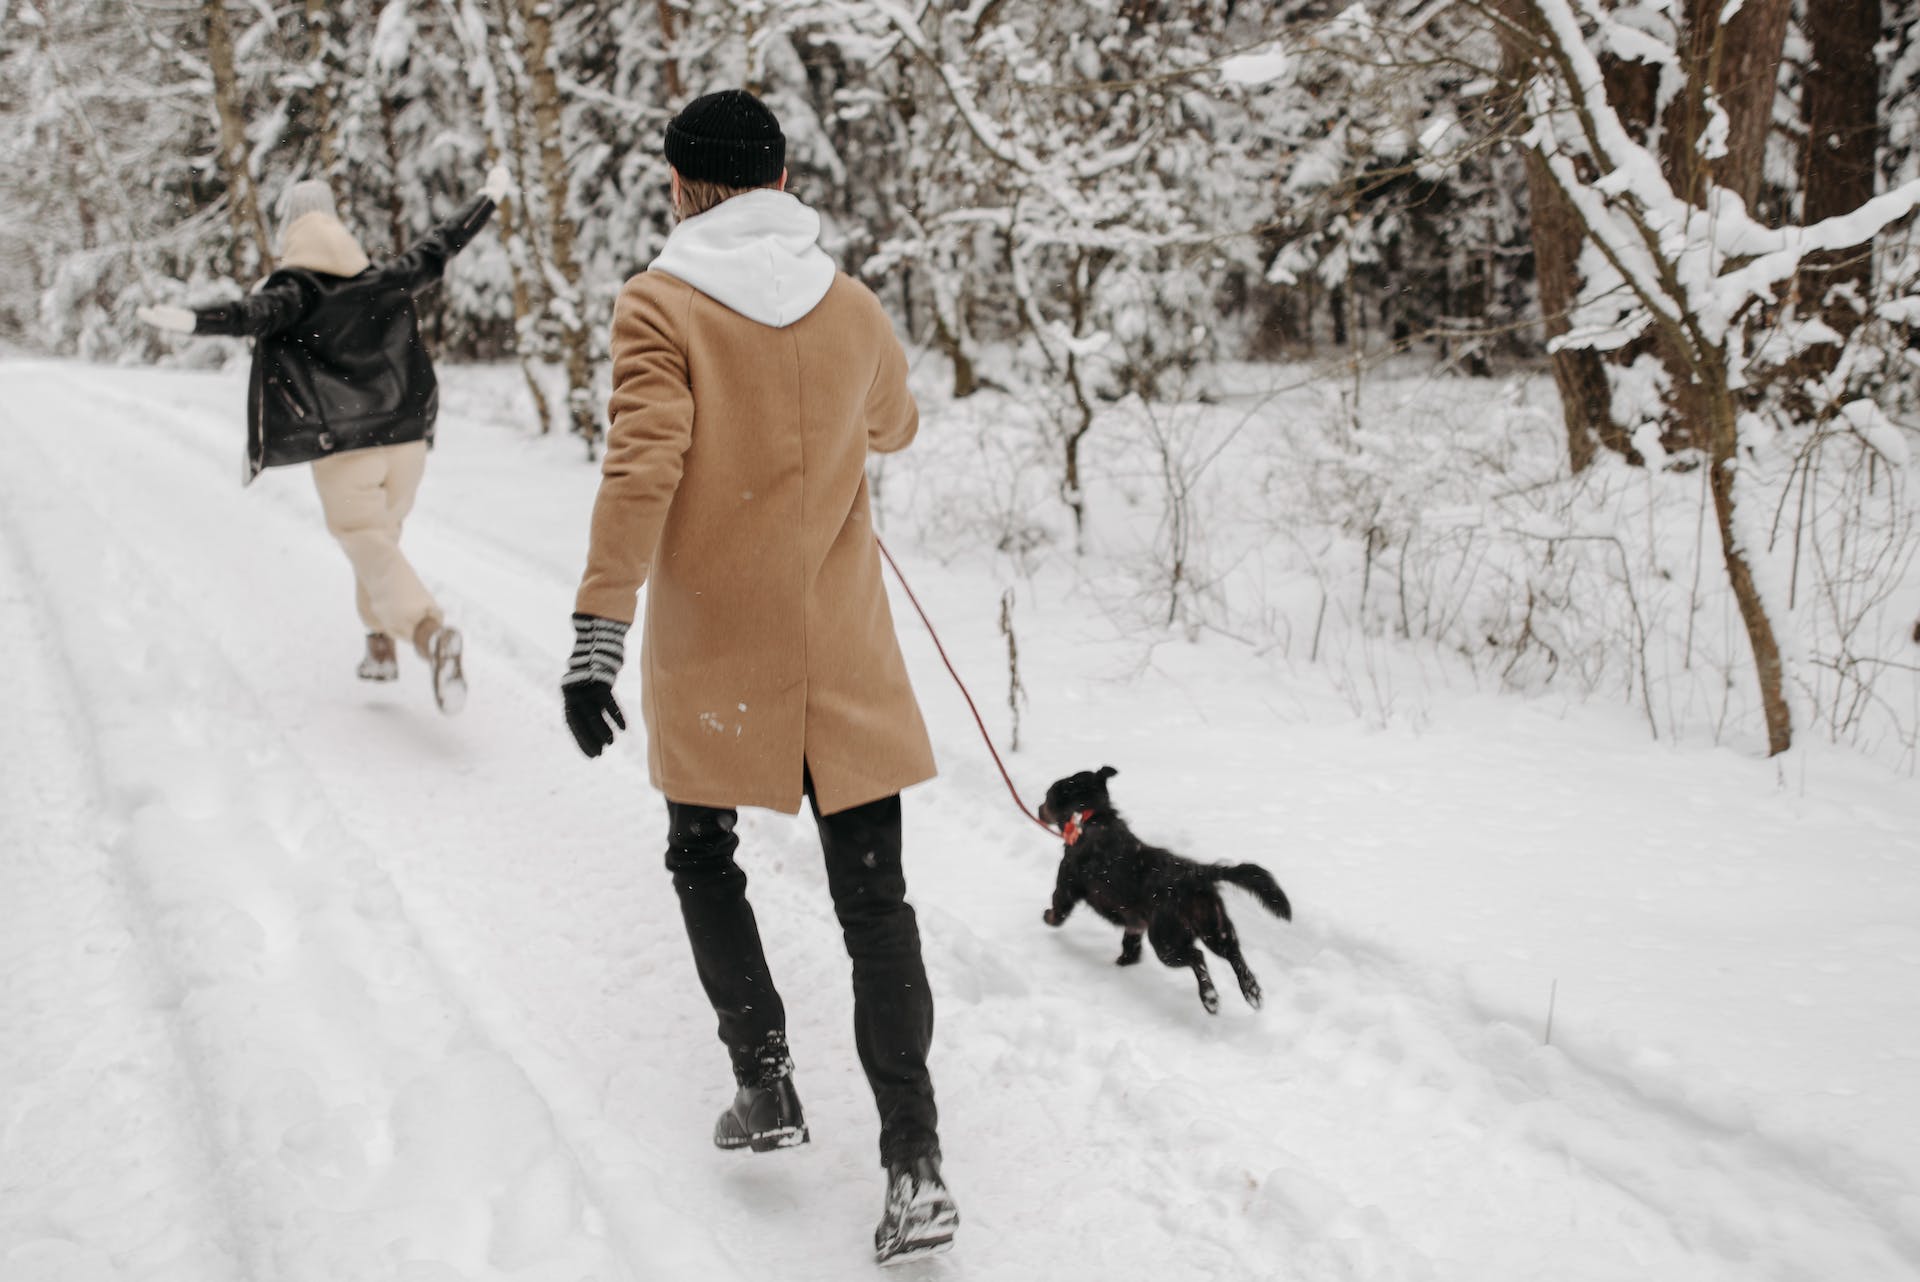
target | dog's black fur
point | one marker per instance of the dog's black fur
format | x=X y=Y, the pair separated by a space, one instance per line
x=1148 y=891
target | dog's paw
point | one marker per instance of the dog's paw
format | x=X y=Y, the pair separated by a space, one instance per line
x=1210 y=998
x=1127 y=959
x=1252 y=993
x=1050 y=917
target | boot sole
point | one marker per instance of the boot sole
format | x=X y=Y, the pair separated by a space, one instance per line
x=785 y=1137
x=766 y=1141
x=935 y=1238
x=449 y=677
x=932 y=1236
x=917 y=1251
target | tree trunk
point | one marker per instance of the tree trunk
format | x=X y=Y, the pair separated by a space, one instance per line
x=1580 y=374
x=514 y=112
x=1842 y=109
x=501 y=145
x=396 y=202
x=1740 y=63
x=536 y=18
x=243 y=202
x=670 y=67
x=1723 y=433
x=1586 y=398
x=324 y=67
x=525 y=346
x=965 y=381
x=1070 y=487
x=1735 y=65
x=1746 y=80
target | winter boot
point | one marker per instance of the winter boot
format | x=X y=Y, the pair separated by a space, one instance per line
x=766 y=1112
x=441 y=646
x=381 y=664
x=920 y=1217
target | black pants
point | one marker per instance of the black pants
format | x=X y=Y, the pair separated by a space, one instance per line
x=892 y=1005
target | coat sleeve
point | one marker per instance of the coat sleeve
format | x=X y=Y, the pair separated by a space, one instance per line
x=271 y=310
x=651 y=428
x=892 y=416
x=421 y=267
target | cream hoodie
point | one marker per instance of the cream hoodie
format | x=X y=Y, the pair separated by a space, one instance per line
x=320 y=242
x=756 y=253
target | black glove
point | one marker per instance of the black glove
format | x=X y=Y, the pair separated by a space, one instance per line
x=590 y=707
x=599 y=648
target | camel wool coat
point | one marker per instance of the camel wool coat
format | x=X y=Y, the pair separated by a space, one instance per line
x=735 y=488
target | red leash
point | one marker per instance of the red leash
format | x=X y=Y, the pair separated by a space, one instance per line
x=977 y=720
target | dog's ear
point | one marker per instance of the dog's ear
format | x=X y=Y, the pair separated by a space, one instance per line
x=1107 y=772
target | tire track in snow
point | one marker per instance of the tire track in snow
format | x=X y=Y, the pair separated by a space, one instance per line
x=105 y=1163
x=344 y=1084
x=631 y=1182
x=1409 y=1138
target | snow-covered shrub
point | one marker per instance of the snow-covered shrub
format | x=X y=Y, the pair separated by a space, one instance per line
x=1345 y=535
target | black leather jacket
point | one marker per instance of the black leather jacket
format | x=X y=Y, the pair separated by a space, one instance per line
x=338 y=364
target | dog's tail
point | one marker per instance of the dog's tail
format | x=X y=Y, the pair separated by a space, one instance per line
x=1259 y=883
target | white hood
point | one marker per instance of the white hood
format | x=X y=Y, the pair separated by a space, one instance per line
x=756 y=253
x=319 y=242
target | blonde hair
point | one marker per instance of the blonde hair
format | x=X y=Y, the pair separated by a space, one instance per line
x=697 y=195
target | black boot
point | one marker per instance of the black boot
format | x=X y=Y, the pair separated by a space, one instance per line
x=920 y=1217
x=766 y=1112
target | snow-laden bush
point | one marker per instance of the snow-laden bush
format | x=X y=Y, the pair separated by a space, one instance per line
x=1347 y=527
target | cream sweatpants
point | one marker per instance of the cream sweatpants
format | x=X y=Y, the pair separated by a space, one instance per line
x=366 y=495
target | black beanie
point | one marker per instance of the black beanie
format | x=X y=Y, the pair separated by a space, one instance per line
x=728 y=138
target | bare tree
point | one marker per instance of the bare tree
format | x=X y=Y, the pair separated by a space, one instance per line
x=1675 y=231
x=545 y=105
x=1841 y=107
x=670 y=62
x=324 y=71
x=504 y=145
x=1580 y=373
x=243 y=202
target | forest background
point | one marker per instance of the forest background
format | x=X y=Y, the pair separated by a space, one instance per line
x=1282 y=283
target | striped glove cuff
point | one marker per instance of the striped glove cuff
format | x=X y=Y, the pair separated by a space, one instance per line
x=599 y=648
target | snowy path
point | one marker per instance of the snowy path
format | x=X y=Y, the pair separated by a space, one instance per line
x=324 y=986
x=102 y=1084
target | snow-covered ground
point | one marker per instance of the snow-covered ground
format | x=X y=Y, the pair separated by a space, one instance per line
x=299 y=980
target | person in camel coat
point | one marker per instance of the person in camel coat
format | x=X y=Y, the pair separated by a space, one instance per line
x=751 y=380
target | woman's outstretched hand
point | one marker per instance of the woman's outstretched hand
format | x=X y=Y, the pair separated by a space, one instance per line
x=499 y=184
x=177 y=320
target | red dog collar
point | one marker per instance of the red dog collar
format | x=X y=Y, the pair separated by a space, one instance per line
x=1073 y=827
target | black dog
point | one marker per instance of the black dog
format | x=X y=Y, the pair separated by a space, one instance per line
x=1148 y=891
